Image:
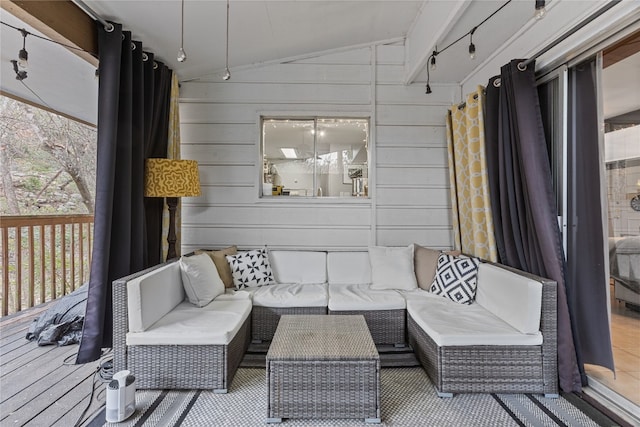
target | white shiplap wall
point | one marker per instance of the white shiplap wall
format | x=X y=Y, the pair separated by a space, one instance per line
x=408 y=186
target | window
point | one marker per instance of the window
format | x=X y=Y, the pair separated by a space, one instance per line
x=315 y=157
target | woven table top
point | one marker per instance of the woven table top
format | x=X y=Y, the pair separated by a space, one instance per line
x=322 y=337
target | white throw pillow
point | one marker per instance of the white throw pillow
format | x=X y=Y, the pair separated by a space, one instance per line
x=251 y=269
x=200 y=279
x=392 y=268
x=456 y=278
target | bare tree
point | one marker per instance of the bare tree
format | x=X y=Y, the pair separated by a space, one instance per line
x=10 y=125
x=70 y=144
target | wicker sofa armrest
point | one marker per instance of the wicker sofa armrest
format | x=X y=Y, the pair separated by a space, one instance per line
x=548 y=328
x=121 y=315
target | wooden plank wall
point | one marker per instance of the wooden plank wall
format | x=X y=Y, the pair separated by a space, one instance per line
x=409 y=196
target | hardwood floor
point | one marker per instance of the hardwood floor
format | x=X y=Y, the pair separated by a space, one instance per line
x=39 y=386
x=625 y=336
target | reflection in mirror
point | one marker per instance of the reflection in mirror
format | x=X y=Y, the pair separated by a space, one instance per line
x=315 y=157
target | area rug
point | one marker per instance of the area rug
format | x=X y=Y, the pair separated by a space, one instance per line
x=407 y=399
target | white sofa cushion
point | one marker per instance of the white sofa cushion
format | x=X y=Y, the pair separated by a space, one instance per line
x=299 y=266
x=200 y=279
x=284 y=295
x=449 y=323
x=360 y=297
x=145 y=305
x=348 y=267
x=215 y=324
x=392 y=268
x=512 y=297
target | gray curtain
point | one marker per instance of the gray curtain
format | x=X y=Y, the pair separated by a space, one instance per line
x=524 y=191
x=586 y=281
x=120 y=221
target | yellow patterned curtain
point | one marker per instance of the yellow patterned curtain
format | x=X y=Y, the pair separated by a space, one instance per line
x=470 y=203
x=173 y=152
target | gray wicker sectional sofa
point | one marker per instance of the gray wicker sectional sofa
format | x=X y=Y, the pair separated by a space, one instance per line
x=503 y=339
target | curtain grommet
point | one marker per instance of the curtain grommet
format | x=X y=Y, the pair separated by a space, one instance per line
x=522 y=66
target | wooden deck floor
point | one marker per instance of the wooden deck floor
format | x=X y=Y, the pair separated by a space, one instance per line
x=40 y=386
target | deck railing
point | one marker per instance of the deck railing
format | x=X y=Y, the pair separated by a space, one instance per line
x=43 y=258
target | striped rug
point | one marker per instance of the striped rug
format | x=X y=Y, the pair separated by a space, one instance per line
x=407 y=398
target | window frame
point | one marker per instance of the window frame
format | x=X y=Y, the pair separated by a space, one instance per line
x=315 y=117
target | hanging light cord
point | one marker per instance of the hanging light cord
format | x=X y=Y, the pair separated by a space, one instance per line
x=27 y=33
x=436 y=52
x=182 y=27
x=227 y=73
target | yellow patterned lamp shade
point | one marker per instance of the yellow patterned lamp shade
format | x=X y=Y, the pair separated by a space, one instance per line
x=171 y=178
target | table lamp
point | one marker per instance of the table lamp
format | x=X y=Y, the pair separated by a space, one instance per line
x=170 y=178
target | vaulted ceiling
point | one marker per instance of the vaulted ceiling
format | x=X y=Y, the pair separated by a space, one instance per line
x=275 y=31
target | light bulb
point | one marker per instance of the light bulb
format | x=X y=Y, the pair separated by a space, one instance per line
x=182 y=55
x=227 y=74
x=540 y=9
x=433 y=63
x=23 y=59
x=472 y=51
x=428 y=91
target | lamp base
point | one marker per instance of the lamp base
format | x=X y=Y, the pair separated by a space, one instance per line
x=172 y=203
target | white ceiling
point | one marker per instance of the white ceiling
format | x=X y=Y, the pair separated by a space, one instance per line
x=56 y=78
x=268 y=31
x=259 y=31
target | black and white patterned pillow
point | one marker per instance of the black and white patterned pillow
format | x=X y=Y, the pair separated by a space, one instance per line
x=456 y=278
x=250 y=269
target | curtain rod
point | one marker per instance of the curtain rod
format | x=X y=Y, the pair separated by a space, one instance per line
x=569 y=33
x=108 y=26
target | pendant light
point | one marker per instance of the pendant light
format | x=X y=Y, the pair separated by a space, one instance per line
x=472 y=47
x=182 y=55
x=23 y=55
x=227 y=73
x=541 y=11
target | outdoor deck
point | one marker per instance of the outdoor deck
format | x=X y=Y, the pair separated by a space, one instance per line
x=40 y=386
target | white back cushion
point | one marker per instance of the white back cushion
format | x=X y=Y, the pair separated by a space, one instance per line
x=513 y=298
x=299 y=266
x=152 y=295
x=392 y=268
x=200 y=279
x=348 y=268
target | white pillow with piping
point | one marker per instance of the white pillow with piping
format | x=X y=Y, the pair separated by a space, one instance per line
x=200 y=279
x=392 y=268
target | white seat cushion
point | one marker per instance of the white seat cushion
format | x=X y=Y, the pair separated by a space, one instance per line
x=305 y=267
x=214 y=324
x=361 y=297
x=347 y=268
x=514 y=298
x=231 y=294
x=283 y=295
x=449 y=323
x=145 y=303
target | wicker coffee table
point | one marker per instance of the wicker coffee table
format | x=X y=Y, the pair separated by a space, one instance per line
x=323 y=366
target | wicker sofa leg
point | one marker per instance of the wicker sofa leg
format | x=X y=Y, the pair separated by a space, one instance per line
x=551 y=395
x=444 y=395
x=273 y=420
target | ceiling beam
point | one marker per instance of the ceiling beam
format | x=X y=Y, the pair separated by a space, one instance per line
x=621 y=50
x=61 y=21
x=434 y=21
